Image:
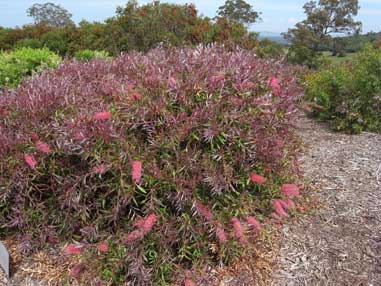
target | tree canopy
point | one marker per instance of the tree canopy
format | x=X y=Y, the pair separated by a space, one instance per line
x=324 y=19
x=239 y=11
x=50 y=14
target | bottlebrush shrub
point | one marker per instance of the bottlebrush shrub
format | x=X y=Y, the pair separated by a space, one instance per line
x=154 y=149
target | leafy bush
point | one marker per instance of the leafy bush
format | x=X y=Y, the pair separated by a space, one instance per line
x=87 y=55
x=349 y=94
x=270 y=49
x=23 y=62
x=158 y=153
x=57 y=41
x=302 y=55
x=28 y=43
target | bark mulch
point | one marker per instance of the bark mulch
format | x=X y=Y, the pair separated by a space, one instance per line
x=341 y=243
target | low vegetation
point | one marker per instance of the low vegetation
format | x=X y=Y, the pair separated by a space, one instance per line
x=349 y=94
x=24 y=62
x=173 y=159
x=87 y=55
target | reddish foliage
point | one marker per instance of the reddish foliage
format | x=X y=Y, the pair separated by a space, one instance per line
x=199 y=139
x=204 y=211
x=76 y=271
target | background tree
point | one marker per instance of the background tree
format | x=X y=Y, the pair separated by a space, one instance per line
x=324 y=18
x=238 y=11
x=50 y=14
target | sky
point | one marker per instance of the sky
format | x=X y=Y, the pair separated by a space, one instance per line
x=277 y=15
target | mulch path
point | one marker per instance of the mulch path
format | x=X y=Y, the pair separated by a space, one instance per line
x=341 y=243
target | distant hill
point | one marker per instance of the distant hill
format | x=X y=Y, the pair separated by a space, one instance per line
x=276 y=37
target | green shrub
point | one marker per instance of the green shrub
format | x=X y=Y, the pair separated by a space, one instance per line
x=87 y=55
x=349 y=94
x=56 y=41
x=28 y=43
x=270 y=49
x=23 y=62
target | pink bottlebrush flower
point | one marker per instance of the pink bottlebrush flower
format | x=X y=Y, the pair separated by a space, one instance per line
x=238 y=230
x=100 y=169
x=287 y=204
x=74 y=249
x=257 y=178
x=31 y=161
x=204 y=211
x=279 y=210
x=77 y=270
x=139 y=223
x=35 y=136
x=290 y=190
x=221 y=235
x=148 y=223
x=254 y=223
x=103 y=246
x=274 y=83
x=189 y=282
x=104 y=115
x=134 y=236
x=136 y=171
x=43 y=147
x=136 y=96
x=315 y=200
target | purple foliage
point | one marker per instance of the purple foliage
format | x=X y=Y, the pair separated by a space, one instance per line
x=199 y=120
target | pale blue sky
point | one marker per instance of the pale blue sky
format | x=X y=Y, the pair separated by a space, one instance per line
x=277 y=15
